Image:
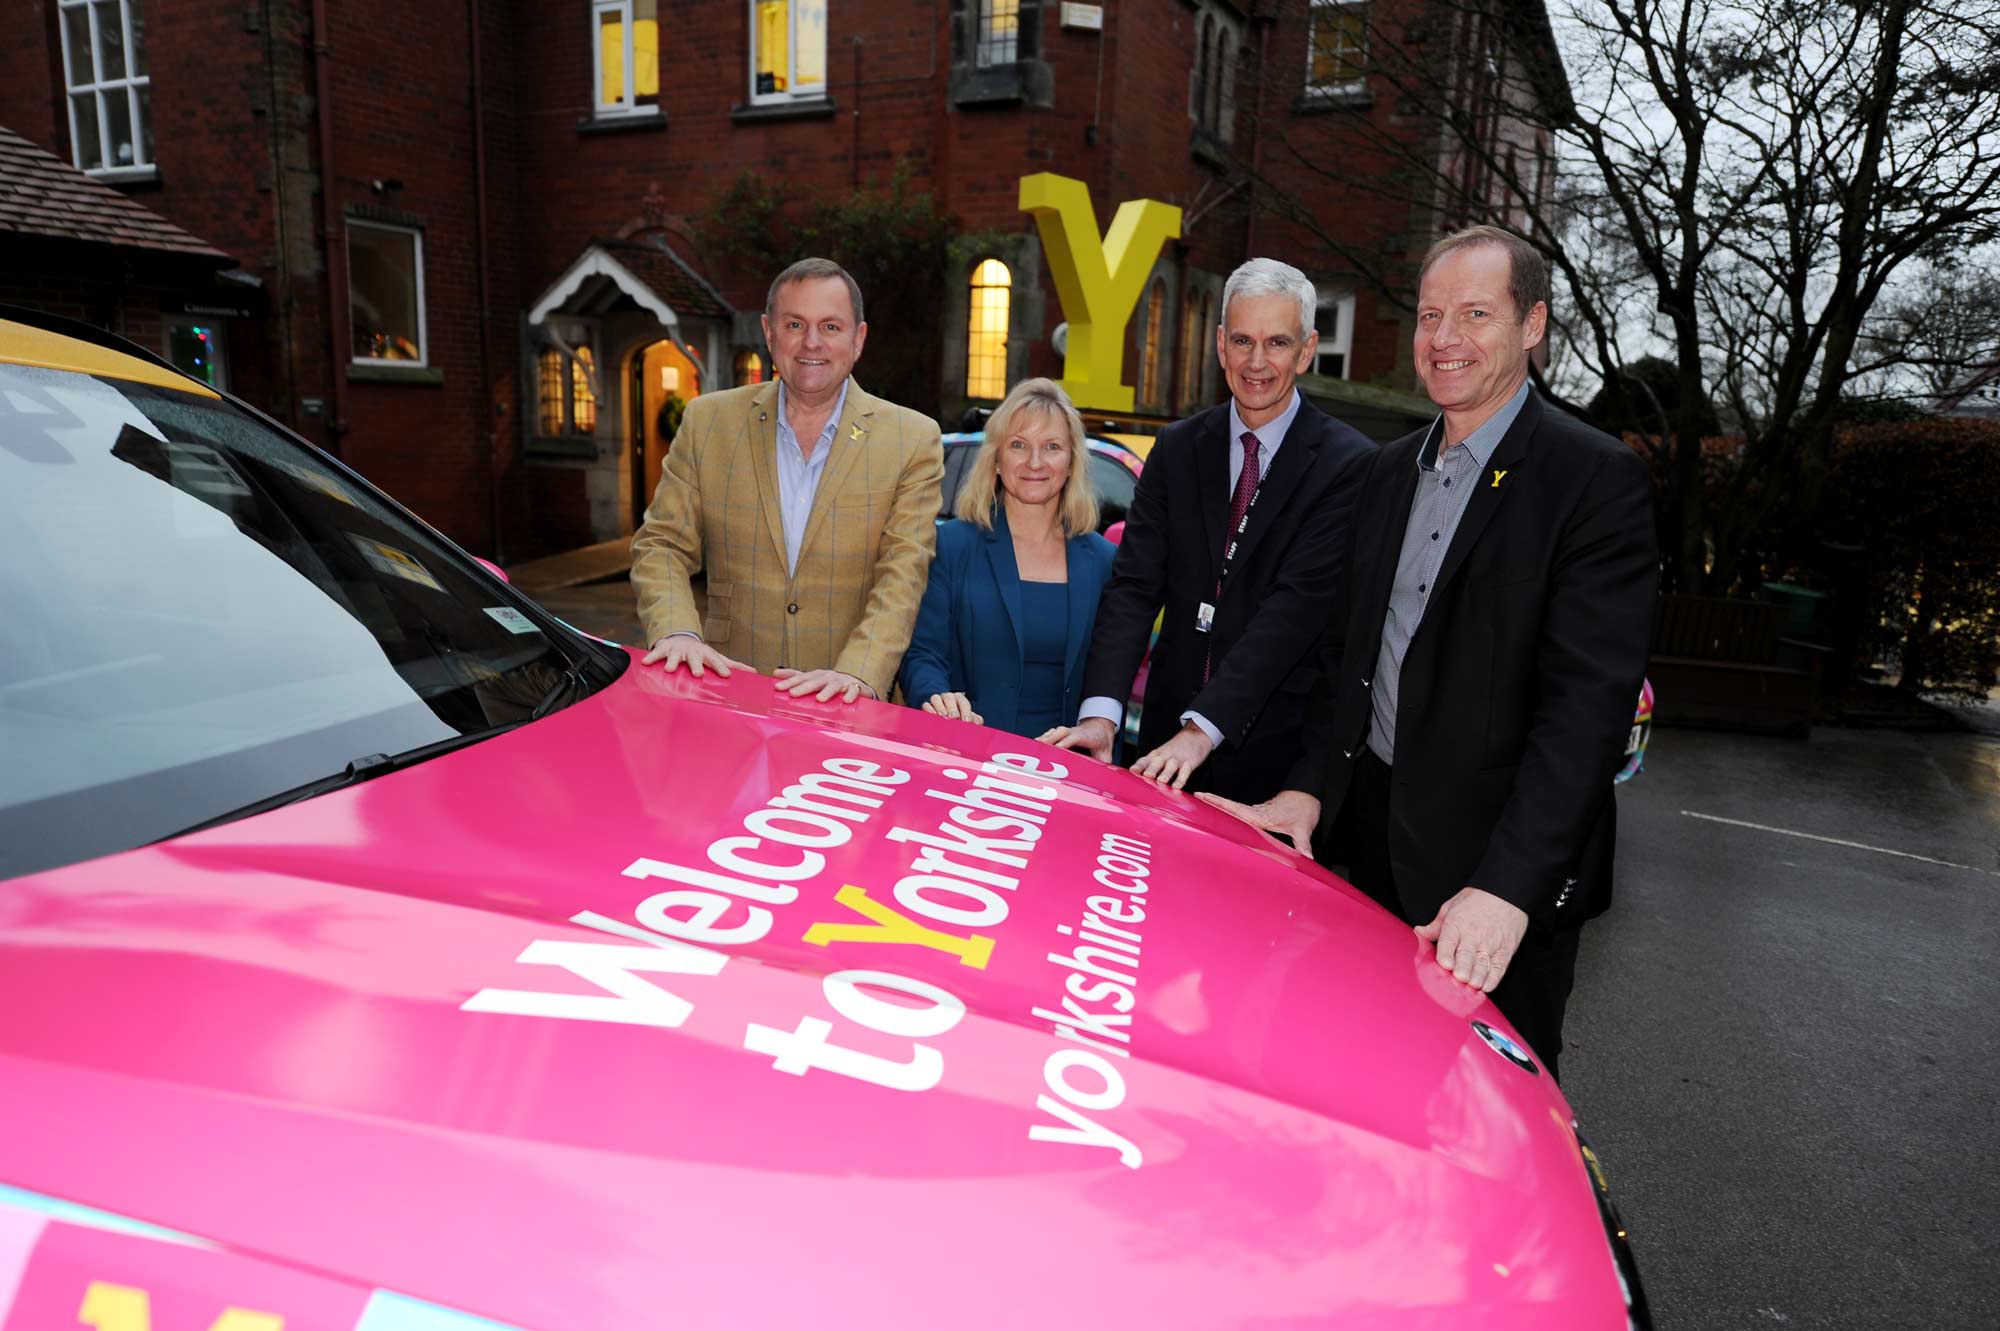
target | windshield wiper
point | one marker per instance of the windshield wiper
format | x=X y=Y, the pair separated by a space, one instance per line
x=365 y=768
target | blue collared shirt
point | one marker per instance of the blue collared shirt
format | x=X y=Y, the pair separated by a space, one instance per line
x=1269 y=435
x=799 y=475
x=1444 y=488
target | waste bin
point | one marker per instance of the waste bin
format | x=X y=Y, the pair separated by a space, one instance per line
x=1802 y=637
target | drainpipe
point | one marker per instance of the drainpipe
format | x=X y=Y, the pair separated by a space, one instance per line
x=340 y=334
x=487 y=423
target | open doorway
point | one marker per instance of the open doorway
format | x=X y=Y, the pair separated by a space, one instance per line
x=664 y=379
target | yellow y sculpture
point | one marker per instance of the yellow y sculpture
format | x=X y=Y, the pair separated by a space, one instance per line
x=1097 y=279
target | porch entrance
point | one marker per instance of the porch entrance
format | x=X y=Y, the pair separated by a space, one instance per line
x=663 y=379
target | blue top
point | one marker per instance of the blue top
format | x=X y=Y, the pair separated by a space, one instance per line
x=1044 y=626
x=979 y=622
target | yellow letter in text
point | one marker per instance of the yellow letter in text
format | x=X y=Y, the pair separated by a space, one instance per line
x=109 y=1307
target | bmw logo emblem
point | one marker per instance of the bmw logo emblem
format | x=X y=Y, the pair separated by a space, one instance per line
x=1507 y=1047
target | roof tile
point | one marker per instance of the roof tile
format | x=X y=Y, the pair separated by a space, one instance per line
x=42 y=195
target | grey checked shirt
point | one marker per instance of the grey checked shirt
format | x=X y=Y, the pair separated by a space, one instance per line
x=1444 y=487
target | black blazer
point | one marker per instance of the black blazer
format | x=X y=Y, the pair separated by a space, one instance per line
x=1283 y=586
x=1517 y=692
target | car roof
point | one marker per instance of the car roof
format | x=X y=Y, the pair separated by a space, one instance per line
x=46 y=342
x=1110 y=446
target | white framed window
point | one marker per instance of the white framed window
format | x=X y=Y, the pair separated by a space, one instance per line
x=1334 y=321
x=787 y=50
x=625 y=56
x=198 y=347
x=385 y=293
x=109 y=93
x=1336 y=49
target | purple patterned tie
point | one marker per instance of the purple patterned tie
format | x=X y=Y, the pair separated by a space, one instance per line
x=1239 y=504
x=1246 y=486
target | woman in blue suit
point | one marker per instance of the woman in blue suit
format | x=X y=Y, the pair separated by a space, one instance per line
x=1005 y=622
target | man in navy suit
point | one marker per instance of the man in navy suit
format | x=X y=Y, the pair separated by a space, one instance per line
x=1460 y=757
x=1238 y=533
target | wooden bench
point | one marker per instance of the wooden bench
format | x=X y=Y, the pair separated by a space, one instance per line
x=1715 y=664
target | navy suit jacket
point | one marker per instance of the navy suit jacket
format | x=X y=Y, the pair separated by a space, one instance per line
x=968 y=635
x=1516 y=693
x=1286 y=584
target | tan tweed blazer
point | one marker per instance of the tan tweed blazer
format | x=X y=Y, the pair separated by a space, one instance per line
x=852 y=602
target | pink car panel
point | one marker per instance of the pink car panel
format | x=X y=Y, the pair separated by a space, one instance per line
x=692 y=1006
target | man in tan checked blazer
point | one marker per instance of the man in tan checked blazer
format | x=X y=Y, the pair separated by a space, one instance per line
x=810 y=505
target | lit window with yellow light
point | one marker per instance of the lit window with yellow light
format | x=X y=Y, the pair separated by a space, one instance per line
x=986 y=330
x=787 y=49
x=626 y=53
x=565 y=396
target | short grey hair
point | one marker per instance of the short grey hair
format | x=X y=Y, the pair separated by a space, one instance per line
x=1269 y=277
x=807 y=270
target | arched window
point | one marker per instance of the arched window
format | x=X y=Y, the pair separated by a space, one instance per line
x=749 y=368
x=1152 y=356
x=1198 y=102
x=986 y=330
x=1218 y=81
x=1197 y=337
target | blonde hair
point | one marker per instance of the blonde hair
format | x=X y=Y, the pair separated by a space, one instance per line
x=981 y=490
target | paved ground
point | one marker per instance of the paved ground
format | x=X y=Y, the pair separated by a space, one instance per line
x=605 y=609
x=1785 y=1048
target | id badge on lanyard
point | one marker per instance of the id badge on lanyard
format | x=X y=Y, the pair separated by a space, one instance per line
x=1204 y=614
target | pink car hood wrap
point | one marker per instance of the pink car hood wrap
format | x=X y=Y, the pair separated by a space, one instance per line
x=692 y=1006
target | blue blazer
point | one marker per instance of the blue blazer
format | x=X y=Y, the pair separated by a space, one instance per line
x=968 y=636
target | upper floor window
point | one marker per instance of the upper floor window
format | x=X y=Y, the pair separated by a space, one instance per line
x=787 y=49
x=1336 y=46
x=1212 y=86
x=1334 y=321
x=104 y=70
x=565 y=392
x=986 y=330
x=385 y=288
x=1006 y=32
x=625 y=46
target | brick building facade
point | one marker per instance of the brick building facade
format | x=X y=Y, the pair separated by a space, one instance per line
x=473 y=226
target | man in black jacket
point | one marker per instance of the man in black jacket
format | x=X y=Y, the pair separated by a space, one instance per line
x=1504 y=574
x=1239 y=532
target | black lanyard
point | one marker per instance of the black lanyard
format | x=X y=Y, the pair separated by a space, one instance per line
x=1236 y=538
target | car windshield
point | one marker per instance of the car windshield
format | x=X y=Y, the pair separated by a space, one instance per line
x=202 y=614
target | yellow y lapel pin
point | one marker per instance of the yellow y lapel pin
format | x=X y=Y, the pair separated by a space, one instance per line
x=1498 y=474
x=855 y=432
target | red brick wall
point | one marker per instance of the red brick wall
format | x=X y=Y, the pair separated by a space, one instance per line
x=31 y=74
x=235 y=108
